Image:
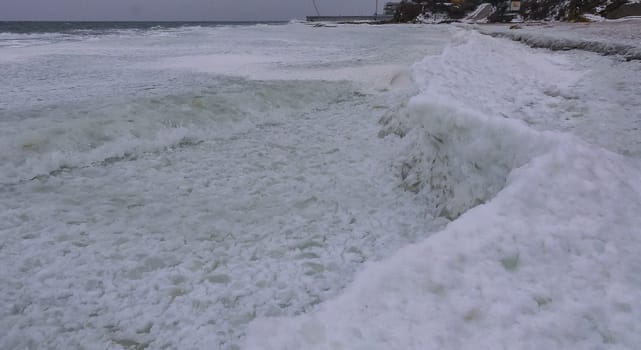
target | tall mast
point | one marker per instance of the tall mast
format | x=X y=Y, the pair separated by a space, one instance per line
x=376 y=11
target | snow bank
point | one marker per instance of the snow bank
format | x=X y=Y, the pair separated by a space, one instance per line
x=433 y=18
x=549 y=260
x=620 y=38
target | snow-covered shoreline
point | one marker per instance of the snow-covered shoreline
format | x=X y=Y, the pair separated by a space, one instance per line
x=620 y=37
x=545 y=253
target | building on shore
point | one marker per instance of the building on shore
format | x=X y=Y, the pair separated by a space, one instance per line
x=345 y=19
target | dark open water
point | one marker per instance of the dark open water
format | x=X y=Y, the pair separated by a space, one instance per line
x=93 y=27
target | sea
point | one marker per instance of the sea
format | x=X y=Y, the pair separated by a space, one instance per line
x=286 y=185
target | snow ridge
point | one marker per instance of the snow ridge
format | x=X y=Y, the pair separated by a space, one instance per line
x=549 y=260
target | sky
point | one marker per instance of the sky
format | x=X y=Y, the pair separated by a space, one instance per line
x=179 y=10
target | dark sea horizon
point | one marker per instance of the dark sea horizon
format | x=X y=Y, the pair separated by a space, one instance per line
x=27 y=27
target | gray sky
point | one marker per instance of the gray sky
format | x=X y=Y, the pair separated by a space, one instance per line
x=71 y=10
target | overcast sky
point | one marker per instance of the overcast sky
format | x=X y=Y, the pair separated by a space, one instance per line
x=178 y=10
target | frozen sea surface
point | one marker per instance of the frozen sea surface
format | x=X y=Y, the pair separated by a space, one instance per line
x=163 y=188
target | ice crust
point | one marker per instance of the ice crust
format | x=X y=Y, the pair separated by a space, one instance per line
x=544 y=254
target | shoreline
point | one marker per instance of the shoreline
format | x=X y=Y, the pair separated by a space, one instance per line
x=594 y=37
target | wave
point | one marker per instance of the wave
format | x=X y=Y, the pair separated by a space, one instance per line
x=458 y=154
x=542 y=252
x=39 y=143
x=458 y=159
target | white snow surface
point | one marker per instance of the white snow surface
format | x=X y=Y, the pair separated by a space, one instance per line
x=544 y=254
x=227 y=187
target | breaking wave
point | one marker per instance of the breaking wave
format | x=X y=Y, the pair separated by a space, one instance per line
x=459 y=159
x=71 y=136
